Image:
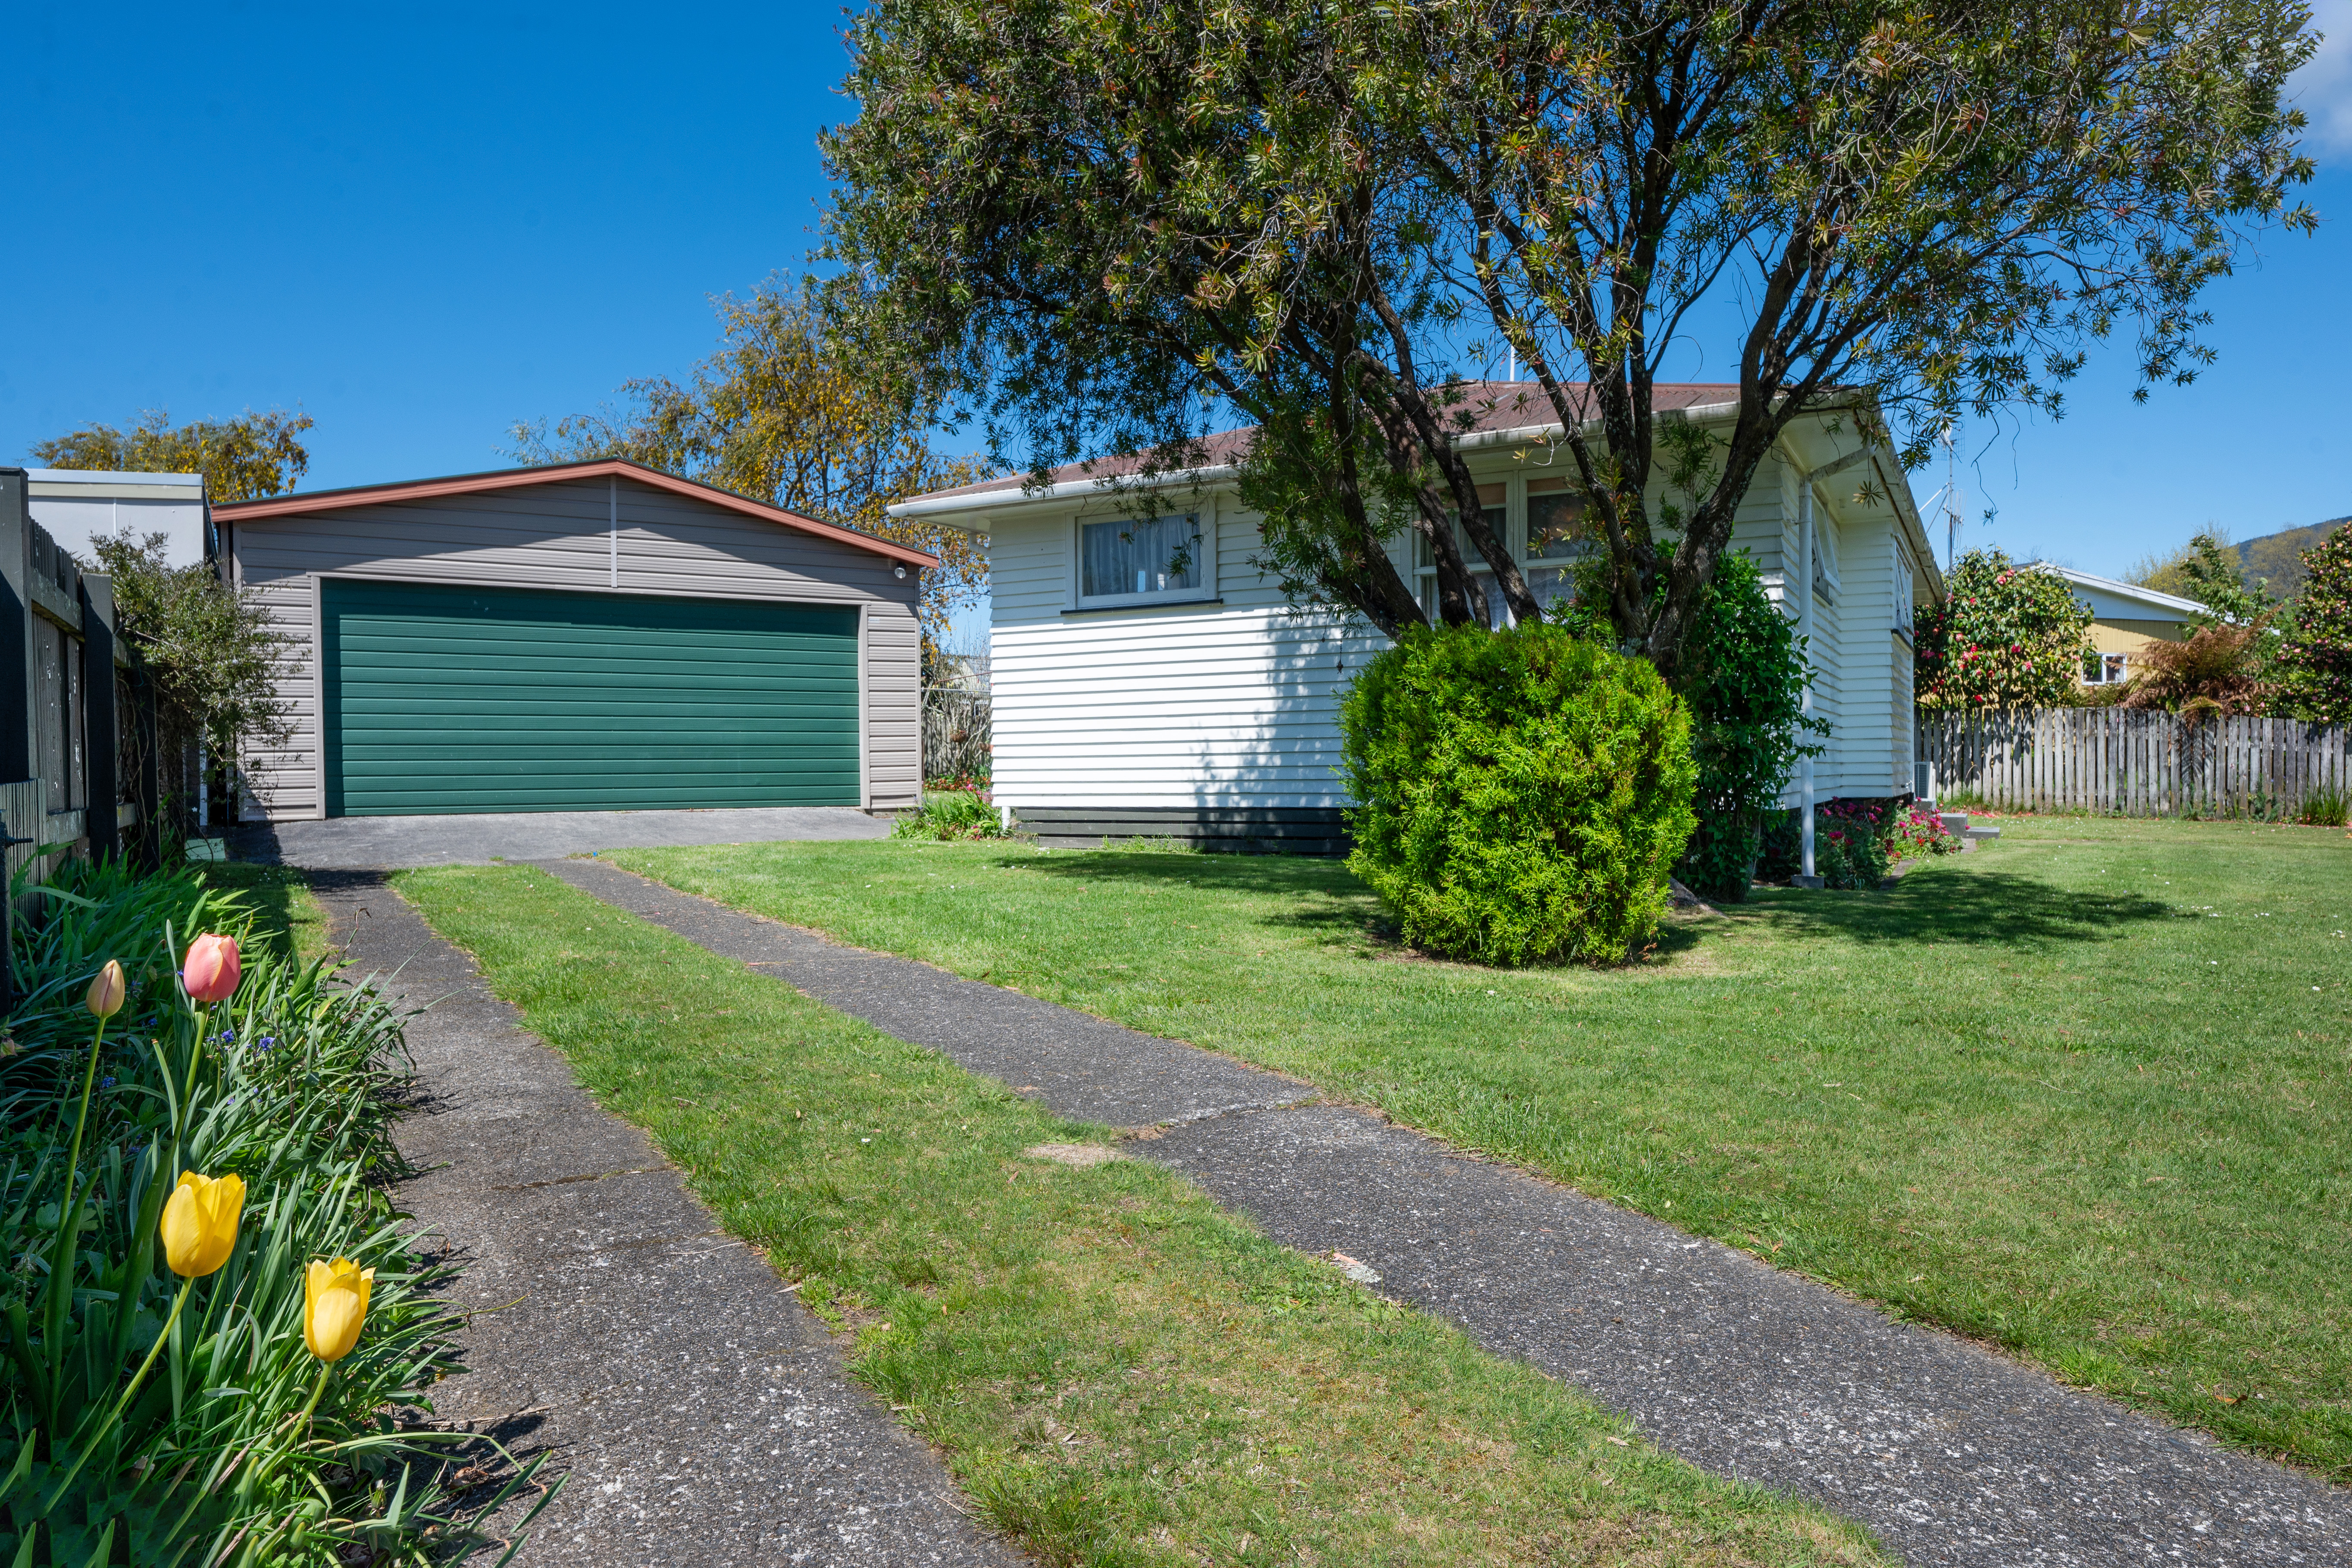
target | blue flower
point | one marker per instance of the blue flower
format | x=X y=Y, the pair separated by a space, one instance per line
x=107 y=1082
x=267 y=1042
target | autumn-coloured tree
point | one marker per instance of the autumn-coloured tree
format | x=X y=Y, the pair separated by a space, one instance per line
x=2315 y=665
x=2218 y=668
x=794 y=410
x=2009 y=636
x=244 y=459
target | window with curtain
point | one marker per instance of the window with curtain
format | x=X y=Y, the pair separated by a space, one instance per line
x=1139 y=557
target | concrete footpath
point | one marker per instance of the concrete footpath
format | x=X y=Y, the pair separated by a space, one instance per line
x=701 y=1413
x=1953 y=1455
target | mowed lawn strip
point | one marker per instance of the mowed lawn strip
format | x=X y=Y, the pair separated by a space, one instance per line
x=1116 y=1371
x=2083 y=1094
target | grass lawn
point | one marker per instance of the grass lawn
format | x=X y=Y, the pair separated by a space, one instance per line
x=2082 y=1093
x=1118 y=1372
x=286 y=916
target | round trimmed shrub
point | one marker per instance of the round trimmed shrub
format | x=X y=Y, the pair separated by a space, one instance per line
x=1520 y=795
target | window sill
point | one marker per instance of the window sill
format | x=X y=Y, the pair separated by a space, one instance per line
x=1142 y=605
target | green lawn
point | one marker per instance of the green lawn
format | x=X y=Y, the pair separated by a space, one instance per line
x=286 y=915
x=2081 y=1093
x=1117 y=1371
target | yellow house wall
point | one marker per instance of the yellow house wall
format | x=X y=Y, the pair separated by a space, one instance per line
x=2130 y=637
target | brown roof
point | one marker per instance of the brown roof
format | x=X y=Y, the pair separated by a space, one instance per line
x=1489 y=405
x=512 y=479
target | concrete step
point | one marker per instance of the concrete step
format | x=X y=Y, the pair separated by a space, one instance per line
x=1956 y=824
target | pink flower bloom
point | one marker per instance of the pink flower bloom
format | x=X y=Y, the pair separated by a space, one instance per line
x=212 y=973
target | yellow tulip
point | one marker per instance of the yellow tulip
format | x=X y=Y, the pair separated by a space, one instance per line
x=105 y=997
x=200 y=1223
x=334 y=1304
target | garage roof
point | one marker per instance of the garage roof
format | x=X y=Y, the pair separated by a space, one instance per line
x=512 y=479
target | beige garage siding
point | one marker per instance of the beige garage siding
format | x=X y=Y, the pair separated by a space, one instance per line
x=562 y=536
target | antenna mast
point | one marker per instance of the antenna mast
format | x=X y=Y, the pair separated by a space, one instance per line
x=1951 y=500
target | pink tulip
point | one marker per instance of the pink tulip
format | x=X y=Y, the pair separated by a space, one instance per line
x=210 y=974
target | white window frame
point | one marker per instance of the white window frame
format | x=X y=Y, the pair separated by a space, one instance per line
x=1204 y=517
x=1825 y=585
x=1906 y=589
x=2114 y=669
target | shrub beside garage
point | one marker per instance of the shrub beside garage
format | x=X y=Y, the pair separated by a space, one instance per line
x=213 y=1313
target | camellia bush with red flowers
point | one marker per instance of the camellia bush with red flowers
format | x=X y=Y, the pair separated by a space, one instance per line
x=2315 y=665
x=2008 y=635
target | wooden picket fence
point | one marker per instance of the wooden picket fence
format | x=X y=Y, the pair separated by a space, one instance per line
x=958 y=737
x=2129 y=763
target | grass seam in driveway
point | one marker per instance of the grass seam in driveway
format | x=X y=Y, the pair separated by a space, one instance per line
x=2081 y=1095
x=1117 y=1371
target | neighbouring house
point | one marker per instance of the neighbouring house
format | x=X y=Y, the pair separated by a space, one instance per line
x=1150 y=680
x=588 y=636
x=2125 y=619
x=79 y=507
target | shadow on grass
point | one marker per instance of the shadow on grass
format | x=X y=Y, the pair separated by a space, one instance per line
x=270 y=890
x=1998 y=908
x=1934 y=904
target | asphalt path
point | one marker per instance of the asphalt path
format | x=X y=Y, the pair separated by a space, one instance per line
x=1952 y=1454
x=702 y=1415
x=387 y=843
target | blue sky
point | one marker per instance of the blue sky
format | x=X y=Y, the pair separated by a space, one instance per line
x=420 y=226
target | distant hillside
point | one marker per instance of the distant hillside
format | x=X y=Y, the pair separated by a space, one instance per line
x=2279 y=557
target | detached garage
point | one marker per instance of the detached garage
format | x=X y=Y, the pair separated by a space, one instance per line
x=588 y=636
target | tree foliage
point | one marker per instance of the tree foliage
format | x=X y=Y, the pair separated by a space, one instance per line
x=210 y=650
x=1744 y=677
x=2315 y=665
x=2008 y=635
x=2209 y=569
x=1311 y=217
x=795 y=409
x=2218 y=668
x=244 y=459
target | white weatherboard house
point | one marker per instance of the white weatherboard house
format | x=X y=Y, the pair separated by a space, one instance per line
x=1149 y=680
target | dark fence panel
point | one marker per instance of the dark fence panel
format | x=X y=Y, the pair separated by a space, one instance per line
x=2132 y=763
x=957 y=738
x=64 y=788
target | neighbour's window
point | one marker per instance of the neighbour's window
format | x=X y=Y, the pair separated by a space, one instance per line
x=1139 y=557
x=2105 y=669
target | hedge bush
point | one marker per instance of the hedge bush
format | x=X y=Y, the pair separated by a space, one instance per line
x=1520 y=795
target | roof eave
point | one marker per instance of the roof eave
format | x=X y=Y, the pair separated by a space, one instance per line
x=516 y=479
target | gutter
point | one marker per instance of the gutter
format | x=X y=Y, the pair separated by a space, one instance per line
x=1472 y=441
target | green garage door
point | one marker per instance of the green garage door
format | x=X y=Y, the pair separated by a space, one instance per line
x=448 y=699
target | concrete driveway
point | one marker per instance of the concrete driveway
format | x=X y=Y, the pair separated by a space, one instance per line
x=389 y=843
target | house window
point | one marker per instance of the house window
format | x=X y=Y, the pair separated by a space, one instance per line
x=1556 y=540
x=2105 y=669
x=1482 y=581
x=1136 y=560
x=1825 y=561
x=1904 y=590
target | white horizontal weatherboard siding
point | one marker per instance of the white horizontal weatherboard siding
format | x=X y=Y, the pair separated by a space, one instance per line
x=1231 y=704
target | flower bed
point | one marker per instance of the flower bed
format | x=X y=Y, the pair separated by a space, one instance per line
x=211 y=1305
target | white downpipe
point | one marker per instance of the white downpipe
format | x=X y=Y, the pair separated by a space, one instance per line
x=1805 y=630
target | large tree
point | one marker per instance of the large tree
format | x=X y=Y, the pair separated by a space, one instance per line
x=1117 y=223
x=797 y=410
x=244 y=459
